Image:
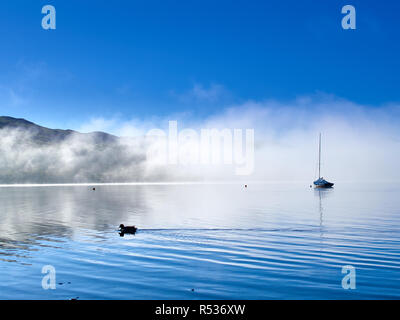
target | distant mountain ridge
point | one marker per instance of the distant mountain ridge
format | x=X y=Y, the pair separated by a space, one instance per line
x=30 y=153
x=43 y=135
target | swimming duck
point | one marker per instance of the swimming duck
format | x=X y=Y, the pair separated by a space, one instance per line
x=127 y=229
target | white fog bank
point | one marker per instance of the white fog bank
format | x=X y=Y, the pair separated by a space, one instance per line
x=360 y=143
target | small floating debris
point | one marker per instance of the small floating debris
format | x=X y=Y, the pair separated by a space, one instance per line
x=94 y=189
x=245 y=185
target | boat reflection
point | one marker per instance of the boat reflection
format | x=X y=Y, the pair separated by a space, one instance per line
x=322 y=193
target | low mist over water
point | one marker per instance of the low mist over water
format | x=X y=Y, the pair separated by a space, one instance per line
x=355 y=139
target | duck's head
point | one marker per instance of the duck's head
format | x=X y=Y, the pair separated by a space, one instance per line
x=121 y=226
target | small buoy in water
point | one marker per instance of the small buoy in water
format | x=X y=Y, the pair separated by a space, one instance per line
x=245 y=185
x=192 y=290
x=94 y=189
x=310 y=186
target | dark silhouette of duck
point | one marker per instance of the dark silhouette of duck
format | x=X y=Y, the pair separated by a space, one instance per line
x=126 y=229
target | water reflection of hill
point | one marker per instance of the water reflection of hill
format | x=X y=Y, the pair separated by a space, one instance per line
x=31 y=216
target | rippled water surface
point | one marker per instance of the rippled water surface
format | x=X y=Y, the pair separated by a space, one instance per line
x=267 y=241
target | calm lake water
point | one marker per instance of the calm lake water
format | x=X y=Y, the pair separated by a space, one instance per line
x=267 y=241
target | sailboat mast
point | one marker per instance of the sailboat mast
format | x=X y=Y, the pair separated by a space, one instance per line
x=319 y=159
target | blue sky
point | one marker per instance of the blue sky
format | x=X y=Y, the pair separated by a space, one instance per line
x=139 y=59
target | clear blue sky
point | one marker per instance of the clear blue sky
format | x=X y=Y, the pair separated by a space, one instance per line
x=143 y=58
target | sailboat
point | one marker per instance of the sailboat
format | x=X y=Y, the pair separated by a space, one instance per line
x=321 y=182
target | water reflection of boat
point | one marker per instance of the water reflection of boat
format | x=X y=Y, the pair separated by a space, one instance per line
x=321 y=182
x=322 y=193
